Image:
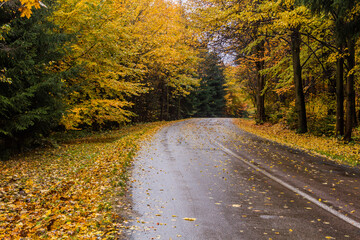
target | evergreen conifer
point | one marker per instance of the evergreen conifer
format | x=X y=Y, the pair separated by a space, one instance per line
x=30 y=80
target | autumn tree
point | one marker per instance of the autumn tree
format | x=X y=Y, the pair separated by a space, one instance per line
x=345 y=15
x=237 y=92
x=125 y=48
x=171 y=65
x=287 y=24
x=97 y=95
x=25 y=7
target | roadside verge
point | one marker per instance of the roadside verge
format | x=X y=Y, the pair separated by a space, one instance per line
x=332 y=148
x=69 y=192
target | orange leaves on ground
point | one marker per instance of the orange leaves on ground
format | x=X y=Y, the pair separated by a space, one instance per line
x=67 y=192
x=331 y=147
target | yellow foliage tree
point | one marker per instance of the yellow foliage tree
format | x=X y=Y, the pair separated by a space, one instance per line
x=26 y=6
x=237 y=102
x=117 y=44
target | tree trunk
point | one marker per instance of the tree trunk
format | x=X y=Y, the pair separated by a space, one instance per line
x=167 y=118
x=260 y=95
x=299 y=92
x=162 y=102
x=331 y=86
x=179 y=108
x=340 y=96
x=260 y=99
x=351 y=120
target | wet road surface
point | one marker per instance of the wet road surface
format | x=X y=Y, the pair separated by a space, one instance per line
x=208 y=179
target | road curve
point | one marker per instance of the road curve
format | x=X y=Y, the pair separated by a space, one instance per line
x=208 y=179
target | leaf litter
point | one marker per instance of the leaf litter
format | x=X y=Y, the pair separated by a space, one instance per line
x=69 y=192
x=331 y=147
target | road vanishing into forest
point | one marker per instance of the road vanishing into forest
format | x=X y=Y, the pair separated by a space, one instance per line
x=208 y=179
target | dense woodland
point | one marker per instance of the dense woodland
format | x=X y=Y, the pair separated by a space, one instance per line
x=295 y=60
x=90 y=64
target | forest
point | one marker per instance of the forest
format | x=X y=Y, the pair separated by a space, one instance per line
x=296 y=60
x=88 y=64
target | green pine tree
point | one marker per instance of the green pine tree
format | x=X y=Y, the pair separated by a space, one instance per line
x=30 y=87
x=209 y=99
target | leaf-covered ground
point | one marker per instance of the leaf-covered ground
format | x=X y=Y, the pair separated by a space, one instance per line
x=68 y=192
x=344 y=153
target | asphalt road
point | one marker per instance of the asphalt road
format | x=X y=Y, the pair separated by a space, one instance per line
x=208 y=179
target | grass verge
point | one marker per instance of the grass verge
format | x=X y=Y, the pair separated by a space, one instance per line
x=67 y=192
x=333 y=148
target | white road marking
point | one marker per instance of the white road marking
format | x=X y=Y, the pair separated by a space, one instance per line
x=296 y=190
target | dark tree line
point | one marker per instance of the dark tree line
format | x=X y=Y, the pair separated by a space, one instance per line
x=205 y=100
x=30 y=87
